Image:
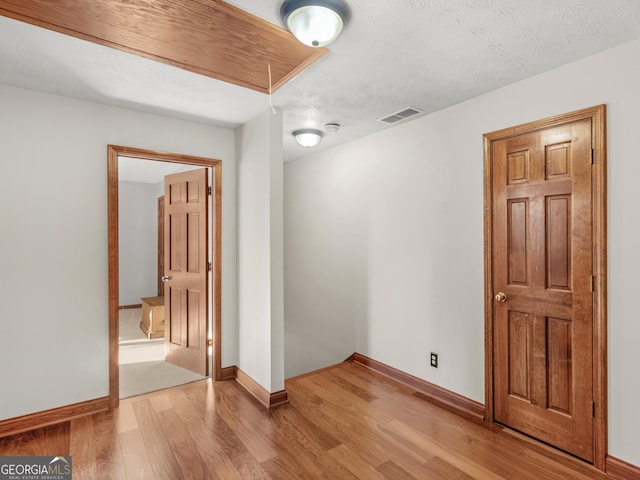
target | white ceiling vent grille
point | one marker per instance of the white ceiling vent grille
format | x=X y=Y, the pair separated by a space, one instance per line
x=403 y=114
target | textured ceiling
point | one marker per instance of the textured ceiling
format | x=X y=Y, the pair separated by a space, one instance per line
x=427 y=54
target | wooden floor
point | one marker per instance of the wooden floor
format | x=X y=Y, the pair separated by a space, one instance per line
x=343 y=423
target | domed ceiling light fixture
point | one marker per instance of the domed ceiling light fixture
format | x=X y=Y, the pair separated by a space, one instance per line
x=316 y=23
x=308 y=137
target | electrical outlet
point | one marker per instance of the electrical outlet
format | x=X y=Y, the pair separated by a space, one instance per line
x=434 y=360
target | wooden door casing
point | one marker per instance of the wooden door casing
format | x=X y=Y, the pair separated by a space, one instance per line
x=185 y=265
x=544 y=230
x=215 y=246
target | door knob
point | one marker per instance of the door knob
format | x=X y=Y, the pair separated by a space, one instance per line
x=500 y=297
x=165 y=278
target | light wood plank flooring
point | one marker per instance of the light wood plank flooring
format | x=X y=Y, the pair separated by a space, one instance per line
x=345 y=422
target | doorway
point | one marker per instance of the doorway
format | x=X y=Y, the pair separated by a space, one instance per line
x=214 y=246
x=545 y=281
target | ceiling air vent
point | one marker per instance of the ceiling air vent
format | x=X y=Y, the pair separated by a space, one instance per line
x=400 y=116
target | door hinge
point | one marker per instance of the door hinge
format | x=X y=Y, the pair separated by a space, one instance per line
x=592 y=154
x=209 y=266
x=209 y=188
x=593 y=409
x=593 y=283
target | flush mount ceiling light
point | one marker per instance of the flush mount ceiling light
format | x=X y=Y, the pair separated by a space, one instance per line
x=316 y=23
x=308 y=137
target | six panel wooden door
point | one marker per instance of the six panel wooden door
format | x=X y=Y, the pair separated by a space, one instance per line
x=160 y=246
x=185 y=265
x=542 y=281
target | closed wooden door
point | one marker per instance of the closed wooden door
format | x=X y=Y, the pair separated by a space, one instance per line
x=185 y=267
x=542 y=260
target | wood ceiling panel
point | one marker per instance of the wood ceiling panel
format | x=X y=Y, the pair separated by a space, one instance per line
x=209 y=37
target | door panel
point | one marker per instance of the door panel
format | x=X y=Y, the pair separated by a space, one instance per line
x=542 y=262
x=186 y=329
x=160 y=246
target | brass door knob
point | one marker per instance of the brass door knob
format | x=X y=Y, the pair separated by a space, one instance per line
x=500 y=297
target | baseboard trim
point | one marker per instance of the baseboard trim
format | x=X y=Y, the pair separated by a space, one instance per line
x=33 y=421
x=451 y=401
x=228 y=373
x=128 y=307
x=269 y=400
x=278 y=398
x=619 y=469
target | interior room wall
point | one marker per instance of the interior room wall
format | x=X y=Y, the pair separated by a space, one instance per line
x=138 y=241
x=384 y=237
x=260 y=250
x=53 y=247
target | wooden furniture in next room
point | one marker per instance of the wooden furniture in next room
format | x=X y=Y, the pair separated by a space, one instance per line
x=152 y=323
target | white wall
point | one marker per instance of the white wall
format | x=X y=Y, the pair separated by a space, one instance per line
x=384 y=238
x=260 y=251
x=138 y=241
x=53 y=246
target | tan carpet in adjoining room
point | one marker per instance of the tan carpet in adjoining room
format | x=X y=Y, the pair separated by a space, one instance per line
x=145 y=377
x=129 y=321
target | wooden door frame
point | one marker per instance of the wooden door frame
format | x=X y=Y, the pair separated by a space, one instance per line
x=113 y=152
x=597 y=115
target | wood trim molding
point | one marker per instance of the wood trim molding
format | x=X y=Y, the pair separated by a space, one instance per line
x=600 y=338
x=216 y=287
x=129 y=307
x=488 y=283
x=215 y=39
x=278 y=398
x=597 y=115
x=257 y=391
x=113 y=152
x=451 y=401
x=33 y=421
x=228 y=373
x=114 y=275
x=622 y=470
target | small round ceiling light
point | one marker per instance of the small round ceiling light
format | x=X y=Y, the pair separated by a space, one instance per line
x=316 y=23
x=308 y=137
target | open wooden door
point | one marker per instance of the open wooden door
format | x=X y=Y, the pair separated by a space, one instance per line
x=160 y=246
x=546 y=365
x=185 y=267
